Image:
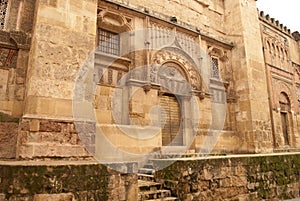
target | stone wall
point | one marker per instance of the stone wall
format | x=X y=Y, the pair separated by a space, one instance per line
x=281 y=61
x=14 y=45
x=8 y=136
x=54 y=139
x=253 y=124
x=194 y=11
x=53 y=181
x=264 y=177
x=64 y=35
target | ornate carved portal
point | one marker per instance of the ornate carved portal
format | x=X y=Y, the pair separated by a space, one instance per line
x=179 y=82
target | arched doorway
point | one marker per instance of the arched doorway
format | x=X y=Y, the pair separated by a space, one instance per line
x=284 y=109
x=174 y=85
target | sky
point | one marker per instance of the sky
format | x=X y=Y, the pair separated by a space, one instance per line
x=286 y=11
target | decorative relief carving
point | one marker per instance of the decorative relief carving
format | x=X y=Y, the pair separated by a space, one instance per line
x=164 y=36
x=113 y=21
x=279 y=87
x=276 y=49
x=8 y=58
x=275 y=37
x=180 y=64
x=217 y=52
x=296 y=68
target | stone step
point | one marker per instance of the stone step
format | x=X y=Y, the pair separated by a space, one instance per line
x=175 y=155
x=145 y=177
x=173 y=149
x=148 y=185
x=146 y=171
x=156 y=194
x=164 y=199
x=149 y=189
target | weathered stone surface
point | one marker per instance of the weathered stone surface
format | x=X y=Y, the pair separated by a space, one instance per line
x=256 y=60
x=53 y=197
x=64 y=182
x=8 y=136
x=268 y=177
x=59 y=139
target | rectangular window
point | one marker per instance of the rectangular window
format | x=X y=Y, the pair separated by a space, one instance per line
x=3 y=13
x=109 y=42
x=215 y=68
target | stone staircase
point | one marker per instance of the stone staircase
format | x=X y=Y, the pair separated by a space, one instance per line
x=149 y=189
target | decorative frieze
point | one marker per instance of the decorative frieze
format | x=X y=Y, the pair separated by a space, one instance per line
x=8 y=58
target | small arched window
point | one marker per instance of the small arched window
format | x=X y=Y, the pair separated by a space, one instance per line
x=269 y=47
x=284 y=102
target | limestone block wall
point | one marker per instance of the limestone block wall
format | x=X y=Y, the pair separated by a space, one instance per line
x=265 y=177
x=54 y=181
x=15 y=37
x=62 y=39
x=253 y=124
x=14 y=45
x=292 y=130
x=8 y=136
x=44 y=138
x=194 y=11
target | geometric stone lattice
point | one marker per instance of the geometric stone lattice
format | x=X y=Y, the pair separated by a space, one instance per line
x=8 y=58
x=3 y=9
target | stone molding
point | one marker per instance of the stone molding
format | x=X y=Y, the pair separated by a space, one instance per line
x=15 y=40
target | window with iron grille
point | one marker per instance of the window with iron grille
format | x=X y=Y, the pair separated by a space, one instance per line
x=109 y=42
x=215 y=68
x=3 y=13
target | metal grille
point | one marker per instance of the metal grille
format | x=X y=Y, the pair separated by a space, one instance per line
x=215 y=68
x=109 y=42
x=3 y=12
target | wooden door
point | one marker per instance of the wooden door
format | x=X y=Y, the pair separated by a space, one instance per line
x=171 y=118
x=284 y=124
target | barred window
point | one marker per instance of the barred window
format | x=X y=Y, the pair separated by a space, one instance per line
x=215 y=68
x=109 y=42
x=3 y=13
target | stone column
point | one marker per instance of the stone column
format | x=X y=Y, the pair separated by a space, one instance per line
x=64 y=35
x=187 y=119
x=252 y=108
